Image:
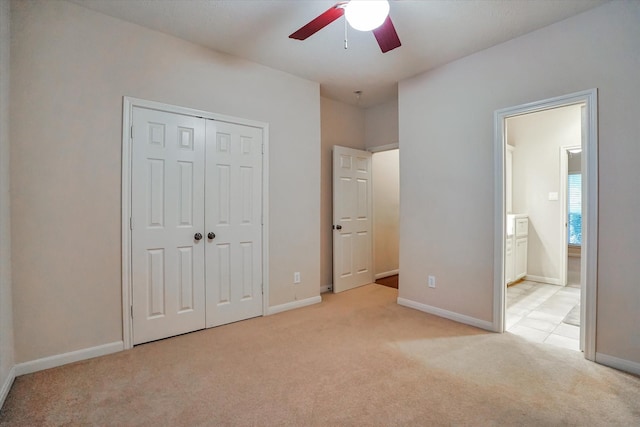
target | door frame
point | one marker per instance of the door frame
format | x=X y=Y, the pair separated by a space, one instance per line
x=564 y=208
x=589 y=260
x=127 y=122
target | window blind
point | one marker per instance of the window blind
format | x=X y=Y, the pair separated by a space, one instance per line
x=575 y=209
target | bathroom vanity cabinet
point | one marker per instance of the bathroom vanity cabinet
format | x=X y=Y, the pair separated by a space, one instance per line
x=516 y=243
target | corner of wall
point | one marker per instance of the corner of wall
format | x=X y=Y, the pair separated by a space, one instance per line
x=7 y=371
x=381 y=124
x=5 y=386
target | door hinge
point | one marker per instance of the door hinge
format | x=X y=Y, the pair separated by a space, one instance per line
x=131 y=223
x=131 y=132
x=262 y=286
x=131 y=312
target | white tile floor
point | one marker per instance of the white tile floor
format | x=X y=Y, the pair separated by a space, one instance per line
x=535 y=311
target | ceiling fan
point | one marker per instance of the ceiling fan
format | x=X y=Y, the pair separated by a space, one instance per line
x=362 y=15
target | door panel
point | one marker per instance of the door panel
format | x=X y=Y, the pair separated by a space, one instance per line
x=234 y=256
x=167 y=211
x=352 y=211
x=185 y=279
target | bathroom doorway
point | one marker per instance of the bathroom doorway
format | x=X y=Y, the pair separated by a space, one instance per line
x=540 y=306
x=543 y=297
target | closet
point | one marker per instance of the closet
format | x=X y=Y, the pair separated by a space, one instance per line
x=196 y=223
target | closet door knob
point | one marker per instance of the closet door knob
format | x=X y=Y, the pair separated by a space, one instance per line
x=197 y=236
x=338 y=227
x=211 y=235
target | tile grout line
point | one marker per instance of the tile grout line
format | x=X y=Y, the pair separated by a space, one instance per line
x=524 y=314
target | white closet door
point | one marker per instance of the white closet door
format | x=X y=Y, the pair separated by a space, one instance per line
x=234 y=216
x=167 y=212
x=352 y=211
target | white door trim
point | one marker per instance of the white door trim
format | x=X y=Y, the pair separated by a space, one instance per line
x=127 y=108
x=564 y=209
x=589 y=260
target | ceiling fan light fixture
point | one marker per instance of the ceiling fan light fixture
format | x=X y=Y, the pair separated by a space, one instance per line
x=366 y=15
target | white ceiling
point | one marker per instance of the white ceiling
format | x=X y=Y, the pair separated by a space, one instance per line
x=433 y=32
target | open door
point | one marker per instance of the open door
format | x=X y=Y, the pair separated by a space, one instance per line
x=352 y=225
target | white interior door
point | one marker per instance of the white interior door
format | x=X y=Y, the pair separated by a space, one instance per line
x=352 y=212
x=167 y=211
x=234 y=216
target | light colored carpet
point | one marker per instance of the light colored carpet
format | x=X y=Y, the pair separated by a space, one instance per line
x=356 y=359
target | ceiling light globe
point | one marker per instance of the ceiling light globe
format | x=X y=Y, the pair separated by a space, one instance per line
x=366 y=15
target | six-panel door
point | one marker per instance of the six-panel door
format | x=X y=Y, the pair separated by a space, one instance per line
x=196 y=223
x=352 y=211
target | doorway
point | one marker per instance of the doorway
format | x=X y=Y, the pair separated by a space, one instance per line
x=572 y=158
x=365 y=217
x=195 y=241
x=530 y=228
x=386 y=216
x=540 y=307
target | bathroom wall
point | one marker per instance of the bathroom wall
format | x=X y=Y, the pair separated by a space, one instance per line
x=537 y=139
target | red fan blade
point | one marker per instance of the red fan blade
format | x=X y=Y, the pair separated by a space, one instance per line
x=386 y=35
x=326 y=18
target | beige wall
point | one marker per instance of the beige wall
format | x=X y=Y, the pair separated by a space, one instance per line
x=386 y=211
x=6 y=317
x=343 y=125
x=536 y=172
x=447 y=175
x=70 y=69
x=381 y=124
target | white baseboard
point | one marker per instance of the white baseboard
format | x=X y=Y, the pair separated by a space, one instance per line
x=540 y=279
x=6 y=386
x=65 y=358
x=617 y=363
x=294 y=304
x=460 y=318
x=386 y=274
x=326 y=288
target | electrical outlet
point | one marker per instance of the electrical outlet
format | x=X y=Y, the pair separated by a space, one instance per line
x=432 y=281
x=296 y=277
